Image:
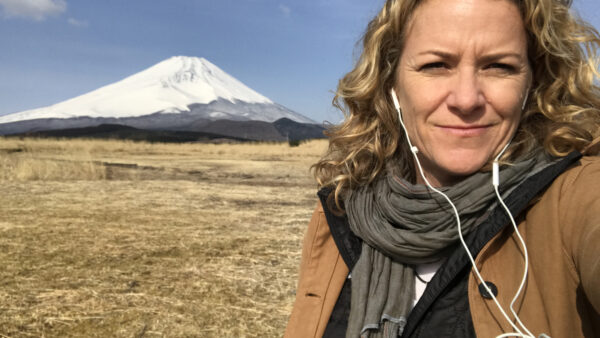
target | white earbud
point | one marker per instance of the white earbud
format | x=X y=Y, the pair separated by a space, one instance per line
x=413 y=149
x=525 y=100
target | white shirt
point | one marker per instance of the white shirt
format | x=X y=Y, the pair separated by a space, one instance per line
x=426 y=272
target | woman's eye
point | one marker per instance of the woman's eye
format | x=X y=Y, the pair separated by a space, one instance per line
x=434 y=65
x=502 y=66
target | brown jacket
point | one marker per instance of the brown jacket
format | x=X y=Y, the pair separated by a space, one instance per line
x=562 y=293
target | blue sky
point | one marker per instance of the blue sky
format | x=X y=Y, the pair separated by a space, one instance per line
x=291 y=51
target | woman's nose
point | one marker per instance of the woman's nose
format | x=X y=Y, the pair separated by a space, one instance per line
x=466 y=95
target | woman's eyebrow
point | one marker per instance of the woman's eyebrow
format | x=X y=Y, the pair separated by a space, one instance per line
x=487 y=57
x=502 y=55
x=438 y=52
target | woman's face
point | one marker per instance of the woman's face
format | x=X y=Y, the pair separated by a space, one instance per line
x=461 y=83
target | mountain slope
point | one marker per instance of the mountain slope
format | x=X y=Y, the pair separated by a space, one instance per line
x=120 y=132
x=174 y=86
x=197 y=131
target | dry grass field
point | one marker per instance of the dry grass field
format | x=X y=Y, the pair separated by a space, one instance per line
x=124 y=239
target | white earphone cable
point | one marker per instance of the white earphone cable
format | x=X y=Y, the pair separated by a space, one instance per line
x=495 y=178
x=496 y=183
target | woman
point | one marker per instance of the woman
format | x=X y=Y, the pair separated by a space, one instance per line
x=479 y=85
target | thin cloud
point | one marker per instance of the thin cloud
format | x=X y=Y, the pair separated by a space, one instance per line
x=36 y=10
x=77 y=23
x=285 y=10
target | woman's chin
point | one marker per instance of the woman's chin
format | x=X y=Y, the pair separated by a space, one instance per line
x=450 y=171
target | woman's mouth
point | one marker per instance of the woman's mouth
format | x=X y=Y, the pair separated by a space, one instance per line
x=465 y=131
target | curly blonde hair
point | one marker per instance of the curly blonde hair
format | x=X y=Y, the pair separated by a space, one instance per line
x=562 y=115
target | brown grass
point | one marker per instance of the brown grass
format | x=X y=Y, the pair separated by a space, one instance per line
x=123 y=239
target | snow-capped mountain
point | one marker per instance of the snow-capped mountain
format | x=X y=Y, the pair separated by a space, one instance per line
x=176 y=91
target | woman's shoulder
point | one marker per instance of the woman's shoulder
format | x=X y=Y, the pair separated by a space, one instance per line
x=588 y=164
x=581 y=176
x=580 y=219
x=571 y=204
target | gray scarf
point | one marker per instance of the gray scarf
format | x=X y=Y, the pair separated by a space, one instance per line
x=402 y=224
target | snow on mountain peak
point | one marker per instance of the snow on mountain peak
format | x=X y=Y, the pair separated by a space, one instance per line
x=168 y=86
x=188 y=74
